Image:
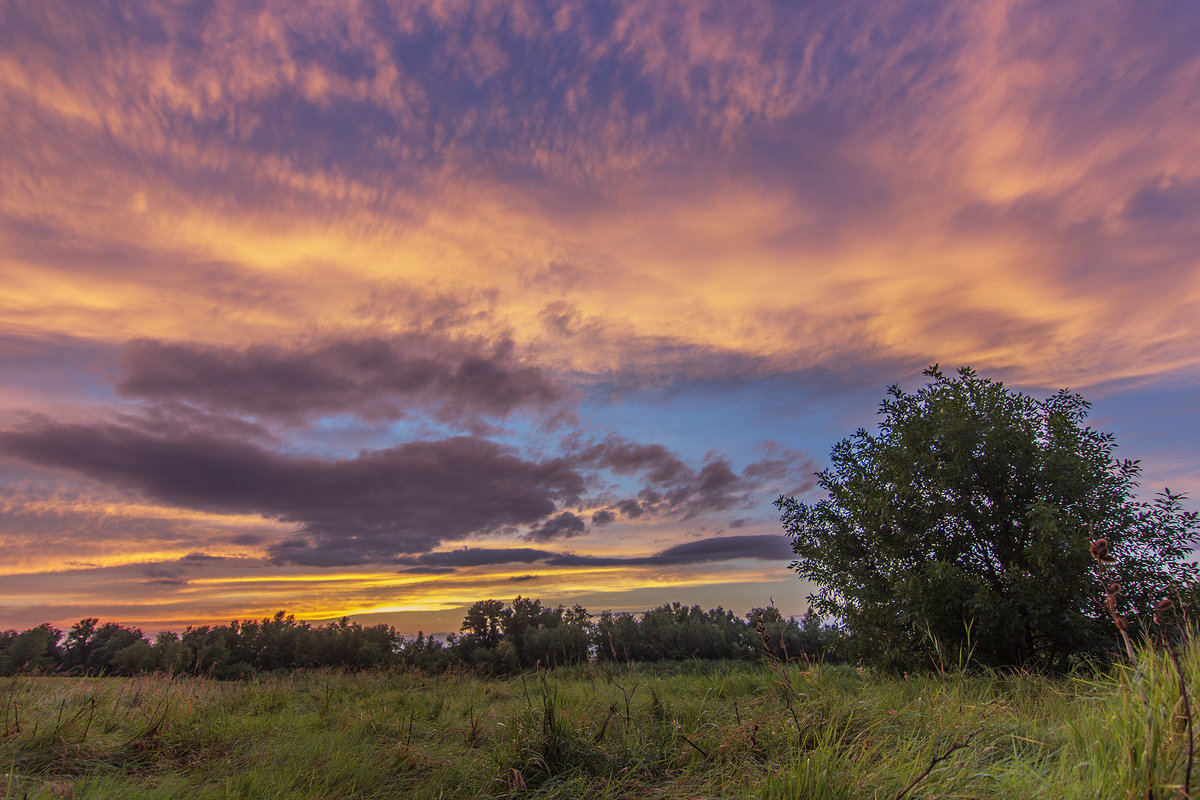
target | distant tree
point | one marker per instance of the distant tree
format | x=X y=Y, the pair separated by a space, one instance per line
x=485 y=622
x=109 y=640
x=78 y=645
x=790 y=639
x=133 y=659
x=34 y=650
x=425 y=653
x=170 y=654
x=617 y=637
x=575 y=634
x=965 y=523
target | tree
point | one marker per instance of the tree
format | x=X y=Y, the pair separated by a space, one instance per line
x=34 y=650
x=79 y=644
x=965 y=522
x=484 y=622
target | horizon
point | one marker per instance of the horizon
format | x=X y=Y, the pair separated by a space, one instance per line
x=380 y=310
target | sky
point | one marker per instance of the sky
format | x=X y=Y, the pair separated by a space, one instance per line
x=380 y=308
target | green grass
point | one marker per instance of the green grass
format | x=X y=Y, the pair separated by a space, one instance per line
x=698 y=730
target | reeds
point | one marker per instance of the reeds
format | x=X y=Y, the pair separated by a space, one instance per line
x=1158 y=769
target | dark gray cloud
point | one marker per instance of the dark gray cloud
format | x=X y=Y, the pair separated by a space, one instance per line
x=381 y=503
x=714 y=488
x=478 y=557
x=455 y=382
x=162 y=576
x=657 y=464
x=404 y=499
x=562 y=526
x=630 y=508
x=765 y=547
x=671 y=487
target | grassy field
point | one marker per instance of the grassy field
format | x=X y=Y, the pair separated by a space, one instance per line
x=701 y=730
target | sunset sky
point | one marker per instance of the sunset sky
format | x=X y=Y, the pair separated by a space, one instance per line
x=379 y=308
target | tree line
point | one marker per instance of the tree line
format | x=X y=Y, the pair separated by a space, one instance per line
x=495 y=637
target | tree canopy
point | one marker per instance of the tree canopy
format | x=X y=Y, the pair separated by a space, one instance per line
x=964 y=524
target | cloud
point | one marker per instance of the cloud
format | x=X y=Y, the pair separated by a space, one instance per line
x=456 y=383
x=671 y=487
x=767 y=190
x=657 y=464
x=768 y=547
x=381 y=502
x=478 y=557
x=562 y=526
x=164 y=577
x=402 y=499
x=765 y=547
x=53 y=521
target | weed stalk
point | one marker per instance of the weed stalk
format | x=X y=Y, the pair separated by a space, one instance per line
x=782 y=667
x=959 y=745
x=1167 y=608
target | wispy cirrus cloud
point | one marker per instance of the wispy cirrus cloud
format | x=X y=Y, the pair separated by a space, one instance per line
x=917 y=169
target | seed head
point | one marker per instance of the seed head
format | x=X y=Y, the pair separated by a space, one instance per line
x=1100 y=551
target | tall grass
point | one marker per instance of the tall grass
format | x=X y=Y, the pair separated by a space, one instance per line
x=700 y=730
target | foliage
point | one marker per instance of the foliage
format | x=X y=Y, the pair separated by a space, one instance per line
x=33 y=650
x=523 y=635
x=236 y=650
x=963 y=525
x=495 y=638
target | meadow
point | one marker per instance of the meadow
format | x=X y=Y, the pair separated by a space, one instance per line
x=602 y=730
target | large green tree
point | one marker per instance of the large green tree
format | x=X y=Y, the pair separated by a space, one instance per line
x=963 y=524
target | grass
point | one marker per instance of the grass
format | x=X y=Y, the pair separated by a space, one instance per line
x=699 y=730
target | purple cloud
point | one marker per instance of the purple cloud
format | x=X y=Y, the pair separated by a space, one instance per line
x=403 y=499
x=671 y=487
x=764 y=547
x=562 y=526
x=387 y=502
x=379 y=378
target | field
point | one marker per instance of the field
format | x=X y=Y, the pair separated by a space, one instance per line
x=690 y=730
